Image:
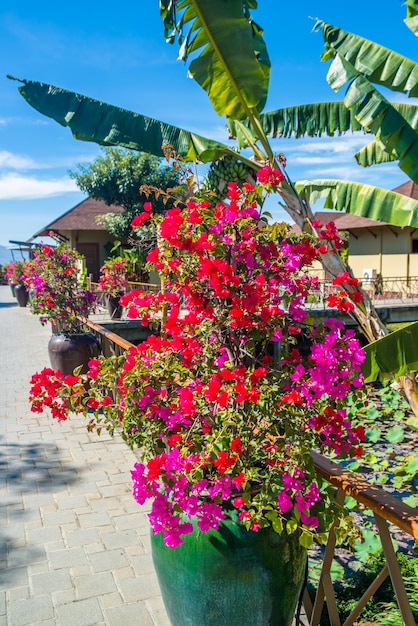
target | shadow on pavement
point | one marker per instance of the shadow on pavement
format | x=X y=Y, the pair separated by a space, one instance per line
x=33 y=472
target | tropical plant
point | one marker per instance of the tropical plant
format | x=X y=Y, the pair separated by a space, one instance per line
x=116 y=177
x=227 y=403
x=54 y=275
x=113 y=277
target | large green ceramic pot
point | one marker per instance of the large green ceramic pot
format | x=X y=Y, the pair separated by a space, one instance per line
x=230 y=577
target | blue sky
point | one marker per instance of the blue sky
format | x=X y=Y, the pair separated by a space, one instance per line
x=117 y=54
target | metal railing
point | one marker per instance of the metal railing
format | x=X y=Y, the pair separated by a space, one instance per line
x=395 y=290
x=387 y=509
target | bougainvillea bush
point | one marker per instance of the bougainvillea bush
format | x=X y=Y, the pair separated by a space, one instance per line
x=55 y=280
x=114 y=276
x=15 y=272
x=227 y=403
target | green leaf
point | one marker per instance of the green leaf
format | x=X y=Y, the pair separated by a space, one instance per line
x=396 y=434
x=108 y=125
x=411 y=501
x=291 y=526
x=412 y=422
x=379 y=116
x=379 y=64
x=361 y=199
x=411 y=466
x=306 y=539
x=395 y=354
x=232 y=66
x=314 y=120
x=412 y=15
x=276 y=521
x=373 y=434
x=362 y=63
x=370 y=546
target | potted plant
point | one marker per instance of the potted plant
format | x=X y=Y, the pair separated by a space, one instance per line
x=113 y=281
x=54 y=276
x=226 y=406
x=15 y=276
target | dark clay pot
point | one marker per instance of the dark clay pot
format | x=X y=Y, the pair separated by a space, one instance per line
x=230 y=576
x=113 y=307
x=68 y=351
x=22 y=295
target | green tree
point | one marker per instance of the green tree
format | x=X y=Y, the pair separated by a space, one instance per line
x=227 y=56
x=117 y=177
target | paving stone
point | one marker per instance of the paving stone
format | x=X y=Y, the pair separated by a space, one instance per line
x=22 y=612
x=81 y=537
x=70 y=557
x=109 y=560
x=51 y=581
x=119 y=539
x=139 y=588
x=134 y=614
x=2 y=603
x=93 y=520
x=81 y=613
x=95 y=585
x=15 y=577
x=45 y=534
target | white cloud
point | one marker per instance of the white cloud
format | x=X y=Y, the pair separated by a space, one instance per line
x=15 y=161
x=13 y=186
x=8 y=160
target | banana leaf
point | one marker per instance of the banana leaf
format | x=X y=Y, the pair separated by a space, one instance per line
x=232 y=65
x=317 y=119
x=390 y=128
x=379 y=64
x=108 y=125
x=412 y=15
x=360 y=63
x=373 y=154
x=394 y=355
x=361 y=199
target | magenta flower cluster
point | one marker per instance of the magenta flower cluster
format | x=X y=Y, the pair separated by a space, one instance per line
x=54 y=277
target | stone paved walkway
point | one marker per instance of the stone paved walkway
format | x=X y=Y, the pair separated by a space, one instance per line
x=74 y=545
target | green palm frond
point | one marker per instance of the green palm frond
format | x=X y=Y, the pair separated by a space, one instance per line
x=389 y=127
x=232 y=64
x=373 y=154
x=412 y=15
x=108 y=125
x=360 y=199
x=379 y=64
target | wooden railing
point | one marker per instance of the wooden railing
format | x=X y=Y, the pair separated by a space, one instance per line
x=386 y=509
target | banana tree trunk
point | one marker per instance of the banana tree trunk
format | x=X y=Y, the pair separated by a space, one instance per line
x=364 y=312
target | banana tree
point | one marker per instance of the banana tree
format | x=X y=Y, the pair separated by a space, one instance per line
x=230 y=61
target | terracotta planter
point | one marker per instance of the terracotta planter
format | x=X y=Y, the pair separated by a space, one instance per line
x=68 y=351
x=231 y=576
x=22 y=295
